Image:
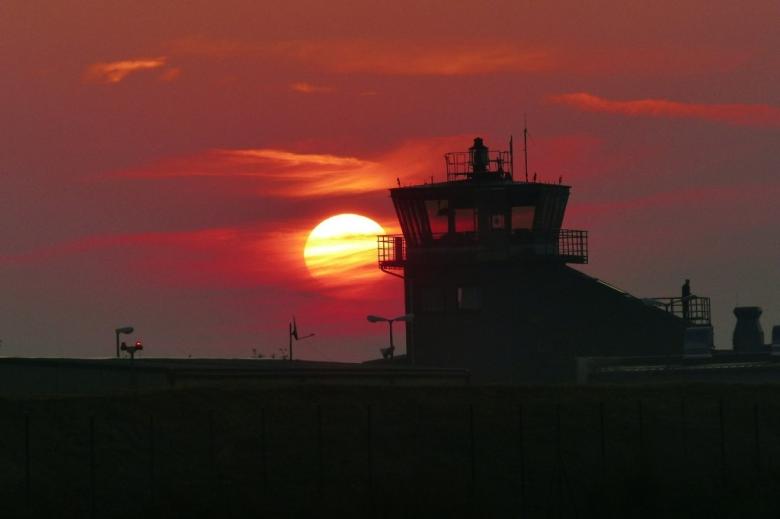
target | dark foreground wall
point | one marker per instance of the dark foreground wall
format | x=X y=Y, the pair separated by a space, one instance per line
x=45 y=377
x=723 y=367
x=675 y=451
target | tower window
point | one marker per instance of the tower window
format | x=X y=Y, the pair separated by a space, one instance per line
x=522 y=217
x=438 y=215
x=469 y=297
x=465 y=220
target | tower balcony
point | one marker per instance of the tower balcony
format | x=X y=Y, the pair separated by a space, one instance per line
x=563 y=245
x=391 y=251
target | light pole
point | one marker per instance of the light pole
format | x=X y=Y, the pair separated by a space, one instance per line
x=125 y=330
x=388 y=352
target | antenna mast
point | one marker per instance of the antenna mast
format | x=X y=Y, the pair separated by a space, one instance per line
x=525 y=144
x=511 y=159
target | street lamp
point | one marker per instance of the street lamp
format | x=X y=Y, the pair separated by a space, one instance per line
x=388 y=352
x=125 y=330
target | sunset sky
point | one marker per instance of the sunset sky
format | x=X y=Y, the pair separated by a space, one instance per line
x=162 y=163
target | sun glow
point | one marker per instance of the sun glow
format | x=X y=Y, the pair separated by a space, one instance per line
x=342 y=249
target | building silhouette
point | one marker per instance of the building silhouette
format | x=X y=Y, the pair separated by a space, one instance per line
x=485 y=265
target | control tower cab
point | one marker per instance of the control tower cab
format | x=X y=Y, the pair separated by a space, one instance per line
x=484 y=261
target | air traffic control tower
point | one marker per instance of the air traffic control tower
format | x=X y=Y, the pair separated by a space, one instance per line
x=485 y=266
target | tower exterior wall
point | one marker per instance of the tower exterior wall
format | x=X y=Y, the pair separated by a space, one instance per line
x=517 y=322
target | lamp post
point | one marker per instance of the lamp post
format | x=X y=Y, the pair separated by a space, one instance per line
x=118 y=331
x=388 y=352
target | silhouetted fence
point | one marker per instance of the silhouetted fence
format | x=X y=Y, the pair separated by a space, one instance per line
x=646 y=457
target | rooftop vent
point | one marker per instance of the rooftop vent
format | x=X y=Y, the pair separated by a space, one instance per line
x=748 y=334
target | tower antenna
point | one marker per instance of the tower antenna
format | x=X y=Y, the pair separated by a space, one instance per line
x=525 y=144
x=511 y=158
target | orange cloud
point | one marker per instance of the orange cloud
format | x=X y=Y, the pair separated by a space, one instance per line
x=277 y=172
x=218 y=256
x=445 y=58
x=308 y=88
x=116 y=71
x=170 y=74
x=466 y=57
x=215 y=48
x=738 y=114
x=260 y=254
x=282 y=173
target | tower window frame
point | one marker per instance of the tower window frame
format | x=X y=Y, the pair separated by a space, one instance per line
x=498 y=222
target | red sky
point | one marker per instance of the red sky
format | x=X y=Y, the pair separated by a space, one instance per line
x=161 y=165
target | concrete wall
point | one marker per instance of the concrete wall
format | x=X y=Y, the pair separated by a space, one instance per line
x=25 y=377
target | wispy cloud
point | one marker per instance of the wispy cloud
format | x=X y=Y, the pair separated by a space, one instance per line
x=443 y=59
x=261 y=254
x=277 y=172
x=446 y=58
x=309 y=88
x=116 y=71
x=289 y=174
x=738 y=114
x=219 y=256
x=170 y=74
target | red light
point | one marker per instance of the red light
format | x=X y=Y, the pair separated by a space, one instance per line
x=139 y=345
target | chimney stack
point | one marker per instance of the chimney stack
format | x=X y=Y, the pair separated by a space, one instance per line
x=748 y=334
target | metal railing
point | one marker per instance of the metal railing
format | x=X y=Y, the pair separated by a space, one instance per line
x=391 y=251
x=693 y=308
x=572 y=244
x=460 y=164
x=568 y=245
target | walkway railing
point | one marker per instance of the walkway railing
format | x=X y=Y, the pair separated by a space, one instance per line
x=693 y=308
x=460 y=164
x=568 y=245
x=391 y=251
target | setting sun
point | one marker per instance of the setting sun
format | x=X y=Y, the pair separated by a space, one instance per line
x=342 y=249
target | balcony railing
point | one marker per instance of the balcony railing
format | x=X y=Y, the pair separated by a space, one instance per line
x=391 y=251
x=460 y=164
x=568 y=245
x=694 y=309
